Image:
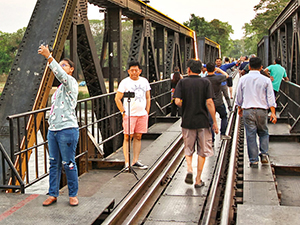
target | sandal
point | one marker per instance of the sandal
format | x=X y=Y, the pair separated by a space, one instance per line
x=189 y=178
x=199 y=185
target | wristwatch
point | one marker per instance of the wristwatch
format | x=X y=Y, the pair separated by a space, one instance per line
x=123 y=112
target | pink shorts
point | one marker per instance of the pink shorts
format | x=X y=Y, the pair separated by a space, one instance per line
x=138 y=124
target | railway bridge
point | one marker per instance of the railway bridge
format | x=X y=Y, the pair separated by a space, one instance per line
x=233 y=192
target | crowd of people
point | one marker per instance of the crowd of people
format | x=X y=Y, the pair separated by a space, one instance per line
x=195 y=98
x=200 y=100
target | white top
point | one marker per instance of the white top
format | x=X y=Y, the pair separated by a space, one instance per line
x=138 y=103
x=64 y=100
x=255 y=91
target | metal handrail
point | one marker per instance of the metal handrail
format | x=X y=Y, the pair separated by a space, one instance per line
x=289 y=98
x=160 y=92
x=14 y=171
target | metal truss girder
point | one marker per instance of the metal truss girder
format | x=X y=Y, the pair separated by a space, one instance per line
x=173 y=55
x=186 y=50
x=149 y=52
x=137 y=42
x=89 y=61
x=95 y=82
x=152 y=69
x=28 y=84
x=296 y=126
x=135 y=9
x=142 y=43
x=283 y=46
x=113 y=22
x=159 y=45
x=287 y=12
x=263 y=50
x=208 y=50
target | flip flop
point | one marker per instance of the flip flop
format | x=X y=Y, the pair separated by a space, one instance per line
x=199 y=185
x=189 y=178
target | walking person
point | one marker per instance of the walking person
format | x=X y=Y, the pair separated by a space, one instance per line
x=139 y=111
x=277 y=73
x=63 y=132
x=229 y=79
x=254 y=97
x=175 y=110
x=194 y=94
x=224 y=87
x=216 y=81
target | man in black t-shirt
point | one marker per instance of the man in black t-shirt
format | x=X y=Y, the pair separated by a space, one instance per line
x=216 y=81
x=194 y=94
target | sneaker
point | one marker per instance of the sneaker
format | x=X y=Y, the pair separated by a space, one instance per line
x=140 y=166
x=225 y=137
x=254 y=164
x=264 y=159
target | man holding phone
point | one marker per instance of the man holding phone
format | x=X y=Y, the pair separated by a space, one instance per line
x=139 y=110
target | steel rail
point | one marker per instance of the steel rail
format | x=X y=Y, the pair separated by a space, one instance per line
x=139 y=194
x=212 y=195
x=135 y=213
x=227 y=201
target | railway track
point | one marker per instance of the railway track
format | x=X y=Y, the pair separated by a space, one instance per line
x=224 y=190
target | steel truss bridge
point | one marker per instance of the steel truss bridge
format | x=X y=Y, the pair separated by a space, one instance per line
x=284 y=41
x=158 y=42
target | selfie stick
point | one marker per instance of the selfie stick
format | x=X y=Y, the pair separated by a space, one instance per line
x=129 y=167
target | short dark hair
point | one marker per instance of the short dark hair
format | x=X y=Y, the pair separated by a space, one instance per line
x=195 y=65
x=227 y=59
x=176 y=69
x=278 y=60
x=246 y=57
x=255 y=63
x=134 y=63
x=217 y=58
x=210 y=66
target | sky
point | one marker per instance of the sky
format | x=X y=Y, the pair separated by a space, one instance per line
x=15 y=14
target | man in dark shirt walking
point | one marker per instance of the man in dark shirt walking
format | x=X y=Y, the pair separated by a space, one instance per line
x=194 y=94
x=216 y=81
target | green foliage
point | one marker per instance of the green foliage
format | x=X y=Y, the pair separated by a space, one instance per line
x=83 y=95
x=97 y=29
x=266 y=13
x=215 y=30
x=9 y=43
x=238 y=49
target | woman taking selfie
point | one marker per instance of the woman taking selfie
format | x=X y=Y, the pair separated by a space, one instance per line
x=63 y=130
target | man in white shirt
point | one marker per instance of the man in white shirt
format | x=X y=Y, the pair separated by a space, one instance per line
x=254 y=98
x=139 y=111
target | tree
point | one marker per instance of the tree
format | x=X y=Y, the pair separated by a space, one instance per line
x=200 y=25
x=215 y=30
x=221 y=34
x=97 y=29
x=238 y=49
x=9 y=44
x=266 y=13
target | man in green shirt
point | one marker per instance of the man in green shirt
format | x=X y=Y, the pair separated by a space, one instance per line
x=277 y=72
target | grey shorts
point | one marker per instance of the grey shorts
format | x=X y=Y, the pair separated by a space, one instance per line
x=201 y=137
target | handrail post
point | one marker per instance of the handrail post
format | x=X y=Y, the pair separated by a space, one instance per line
x=12 y=152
